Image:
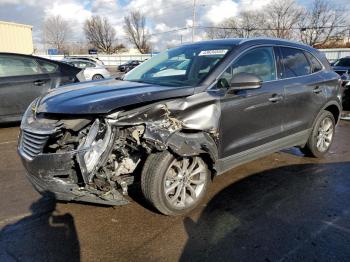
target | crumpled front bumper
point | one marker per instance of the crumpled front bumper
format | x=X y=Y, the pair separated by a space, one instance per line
x=54 y=173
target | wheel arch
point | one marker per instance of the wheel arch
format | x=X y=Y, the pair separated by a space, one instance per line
x=193 y=143
x=334 y=108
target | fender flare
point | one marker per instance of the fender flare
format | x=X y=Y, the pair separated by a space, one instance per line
x=329 y=103
x=191 y=144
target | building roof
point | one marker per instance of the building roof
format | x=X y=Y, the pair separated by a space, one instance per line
x=15 y=24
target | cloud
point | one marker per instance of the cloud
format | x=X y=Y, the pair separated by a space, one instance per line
x=73 y=12
x=223 y=10
x=162 y=15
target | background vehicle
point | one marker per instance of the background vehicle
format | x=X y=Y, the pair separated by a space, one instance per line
x=87 y=58
x=24 y=77
x=342 y=68
x=92 y=71
x=129 y=65
x=237 y=100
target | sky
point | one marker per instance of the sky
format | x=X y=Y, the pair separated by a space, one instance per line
x=162 y=15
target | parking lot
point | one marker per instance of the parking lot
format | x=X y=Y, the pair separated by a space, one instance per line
x=283 y=207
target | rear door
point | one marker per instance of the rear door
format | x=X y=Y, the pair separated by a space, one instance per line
x=21 y=81
x=303 y=87
x=251 y=117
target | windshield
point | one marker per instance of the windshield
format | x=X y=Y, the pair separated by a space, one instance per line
x=182 y=66
x=343 y=62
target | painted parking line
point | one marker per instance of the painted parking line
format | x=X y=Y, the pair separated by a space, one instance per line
x=14 y=219
x=8 y=142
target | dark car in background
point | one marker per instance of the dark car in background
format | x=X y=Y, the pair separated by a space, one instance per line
x=24 y=78
x=231 y=101
x=342 y=68
x=129 y=65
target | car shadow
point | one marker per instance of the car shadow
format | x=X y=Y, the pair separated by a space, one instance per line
x=45 y=235
x=292 y=213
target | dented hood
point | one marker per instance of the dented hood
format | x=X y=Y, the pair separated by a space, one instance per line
x=100 y=97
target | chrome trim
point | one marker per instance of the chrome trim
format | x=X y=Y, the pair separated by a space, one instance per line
x=268 y=45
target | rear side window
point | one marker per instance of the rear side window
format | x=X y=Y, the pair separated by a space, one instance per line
x=294 y=63
x=83 y=64
x=47 y=66
x=315 y=64
x=18 y=66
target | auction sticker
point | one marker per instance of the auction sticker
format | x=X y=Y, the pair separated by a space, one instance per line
x=213 y=52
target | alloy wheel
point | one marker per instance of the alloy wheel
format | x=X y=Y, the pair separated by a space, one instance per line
x=185 y=181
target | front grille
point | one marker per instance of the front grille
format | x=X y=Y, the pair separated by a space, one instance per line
x=32 y=143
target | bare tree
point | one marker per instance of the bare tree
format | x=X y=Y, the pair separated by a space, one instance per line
x=135 y=29
x=281 y=18
x=56 y=32
x=250 y=24
x=100 y=34
x=225 y=29
x=320 y=23
x=246 y=24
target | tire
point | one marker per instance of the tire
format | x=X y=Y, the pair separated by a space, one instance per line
x=323 y=130
x=97 y=77
x=163 y=171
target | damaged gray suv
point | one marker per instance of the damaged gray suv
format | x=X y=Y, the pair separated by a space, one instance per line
x=178 y=119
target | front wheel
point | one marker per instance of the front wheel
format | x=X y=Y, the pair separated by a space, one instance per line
x=97 y=77
x=321 y=137
x=174 y=186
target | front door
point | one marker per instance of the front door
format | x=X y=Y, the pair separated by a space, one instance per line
x=250 y=118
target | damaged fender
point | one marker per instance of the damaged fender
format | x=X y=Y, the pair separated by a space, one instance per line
x=188 y=126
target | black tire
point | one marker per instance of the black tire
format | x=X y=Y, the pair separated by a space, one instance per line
x=97 y=77
x=311 y=148
x=154 y=179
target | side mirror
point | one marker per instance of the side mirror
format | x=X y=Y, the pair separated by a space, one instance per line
x=243 y=81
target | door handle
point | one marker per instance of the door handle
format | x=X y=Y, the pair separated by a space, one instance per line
x=275 y=98
x=317 y=90
x=39 y=83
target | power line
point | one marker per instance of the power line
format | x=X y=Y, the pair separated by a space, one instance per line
x=271 y=29
x=243 y=28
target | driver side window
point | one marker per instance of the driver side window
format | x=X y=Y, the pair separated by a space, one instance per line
x=259 y=61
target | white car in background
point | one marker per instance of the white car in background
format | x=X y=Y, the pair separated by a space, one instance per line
x=92 y=70
x=86 y=58
x=178 y=67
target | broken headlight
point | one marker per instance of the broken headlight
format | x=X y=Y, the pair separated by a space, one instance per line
x=96 y=143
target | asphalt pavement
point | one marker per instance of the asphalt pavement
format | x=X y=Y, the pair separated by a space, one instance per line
x=284 y=207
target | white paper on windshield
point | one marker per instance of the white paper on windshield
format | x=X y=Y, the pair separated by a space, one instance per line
x=213 y=52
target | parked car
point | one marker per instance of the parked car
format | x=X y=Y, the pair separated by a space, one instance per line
x=24 y=77
x=237 y=100
x=346 y=96
x=177 y=68
x=92 y=70
x=342 y=68
x=129 y=65
x=87 y=58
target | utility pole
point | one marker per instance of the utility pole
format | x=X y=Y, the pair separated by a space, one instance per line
x=193 y=19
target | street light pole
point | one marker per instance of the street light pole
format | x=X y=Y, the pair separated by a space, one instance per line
x=193 y=19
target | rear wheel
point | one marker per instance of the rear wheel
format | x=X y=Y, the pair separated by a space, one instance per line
x=97 y=77
x=321 y=137
x=174 y=186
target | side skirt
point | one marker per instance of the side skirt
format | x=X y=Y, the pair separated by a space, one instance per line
x=238 y=159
